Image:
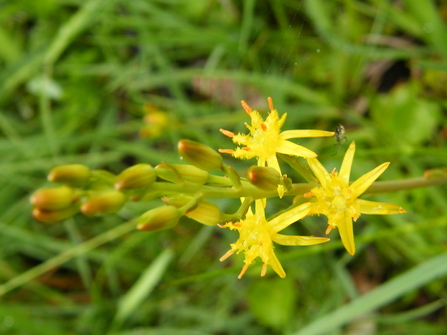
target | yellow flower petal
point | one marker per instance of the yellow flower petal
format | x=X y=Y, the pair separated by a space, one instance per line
x=345 y=170
x=276 y=265
x=305 y=133
x=319 y=171
x=347 y=234
x=298 y=240
x=380 y=208
x=365 y=181
x=286 y=219
x=292 y=149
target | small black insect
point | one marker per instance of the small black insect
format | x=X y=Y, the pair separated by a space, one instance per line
x=340 y=137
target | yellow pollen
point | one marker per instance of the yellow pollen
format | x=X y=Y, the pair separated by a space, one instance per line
x=246 y=107
x=226 y=132
x=263 y=126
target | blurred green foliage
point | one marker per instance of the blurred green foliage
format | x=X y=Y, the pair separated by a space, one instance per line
x=74 y=79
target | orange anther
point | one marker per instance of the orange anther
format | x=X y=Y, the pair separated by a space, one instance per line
x=328 y=230
x=226 y=151
x=227 y=254
x=226 y=132
x=244 y=269
x=246 y=107
x=264 y=270
x=263 y=126
x=308 y=194
x=270 y=100
x=246 y=149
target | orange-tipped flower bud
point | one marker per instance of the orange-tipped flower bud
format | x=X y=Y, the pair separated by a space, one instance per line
x=205 y=212
x=159 y=219
x=189 y=173
x=75 y=175
x=46 y=216
x=200 y=155
x=140 y=175
x=107 y=202
x=53 y=198
x=265 y=178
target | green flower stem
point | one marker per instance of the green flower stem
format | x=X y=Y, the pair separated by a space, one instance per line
x=232 y=175
x=248 y=191
x=299 y=167
x=240 y=212
x=404 y=184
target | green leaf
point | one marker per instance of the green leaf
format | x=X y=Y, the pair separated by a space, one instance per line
x=272 y=301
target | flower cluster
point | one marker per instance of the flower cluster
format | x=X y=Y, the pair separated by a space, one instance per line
x=184 y=189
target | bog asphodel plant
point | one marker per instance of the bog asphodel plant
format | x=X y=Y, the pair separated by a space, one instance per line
x=185 y=188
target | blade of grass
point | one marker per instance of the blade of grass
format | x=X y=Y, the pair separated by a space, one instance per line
x=388 y=292
x=142 y=288
x=65 y=256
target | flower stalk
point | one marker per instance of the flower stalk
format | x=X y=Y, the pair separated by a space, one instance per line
x=188 y=190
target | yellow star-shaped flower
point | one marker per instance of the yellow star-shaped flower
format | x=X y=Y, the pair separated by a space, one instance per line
x=339 y=201
x=266 y=139
x=257 y=236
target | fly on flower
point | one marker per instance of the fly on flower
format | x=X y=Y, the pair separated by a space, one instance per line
x=340 y=137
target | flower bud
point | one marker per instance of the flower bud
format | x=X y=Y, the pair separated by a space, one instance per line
x=204 y=212
x=200 y=155
x=140 y=175
x=75 y=175
x=172 y=172
x=53 y=198
x=107 y=202
x=47 y=216
x=159 y=219
x=265 y=178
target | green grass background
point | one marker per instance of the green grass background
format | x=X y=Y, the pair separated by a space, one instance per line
x=74 y=77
